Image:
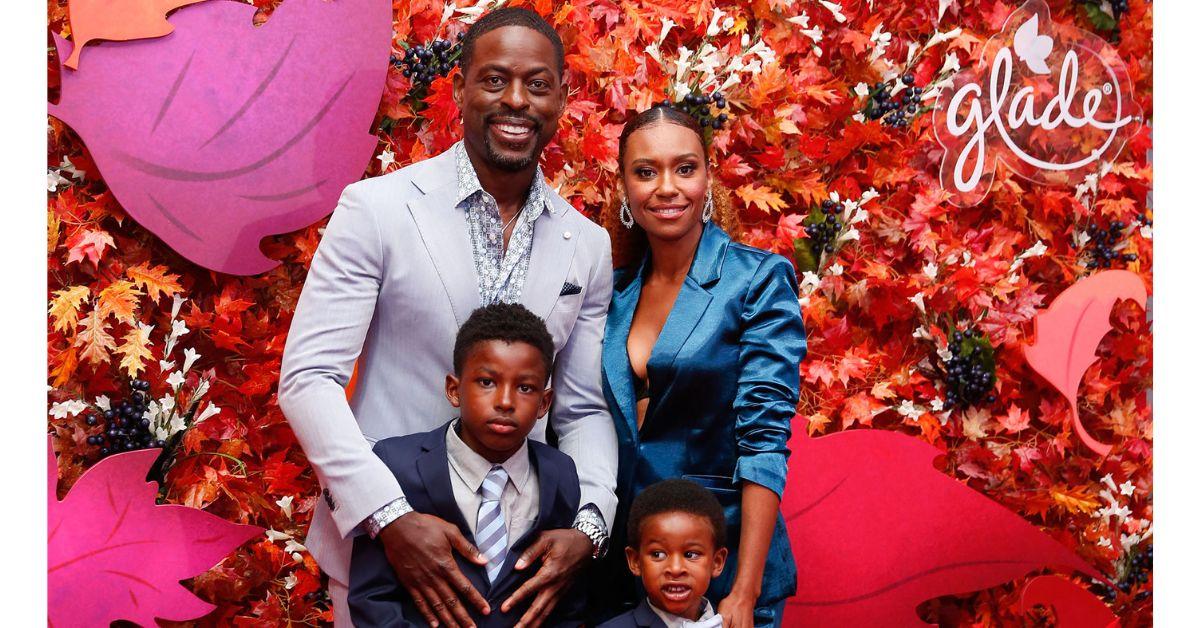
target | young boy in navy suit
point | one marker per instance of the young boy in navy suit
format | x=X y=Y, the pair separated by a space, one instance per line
x=676 y=546
x=480 y=472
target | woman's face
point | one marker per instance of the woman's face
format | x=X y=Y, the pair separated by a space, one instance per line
x=666 y=180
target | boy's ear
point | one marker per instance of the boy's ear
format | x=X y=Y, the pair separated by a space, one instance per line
x=452 y=390
x=719 y=561
x=631 y=558
x=547 y=400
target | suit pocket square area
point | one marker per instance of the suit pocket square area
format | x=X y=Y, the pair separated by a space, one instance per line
x=569 y=288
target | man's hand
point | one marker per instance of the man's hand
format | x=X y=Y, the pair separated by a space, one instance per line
x=419 y=548
x=563 y=553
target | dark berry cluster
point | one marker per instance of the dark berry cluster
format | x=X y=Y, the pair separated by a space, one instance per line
x=896 y=111
x=425 y=63
x=1137 y=574
x=971 y=369
x=700 y=107
x=1103 y=245
x=823 y=226
x=125 y=429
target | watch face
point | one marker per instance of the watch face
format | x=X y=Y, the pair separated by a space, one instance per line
x=602 y=547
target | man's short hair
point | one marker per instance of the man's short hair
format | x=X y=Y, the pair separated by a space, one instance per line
x=511 y=16
x=675 y=495
x=507 y=322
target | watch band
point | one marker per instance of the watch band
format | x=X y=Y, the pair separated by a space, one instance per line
x=389 y=513
x=590 y=522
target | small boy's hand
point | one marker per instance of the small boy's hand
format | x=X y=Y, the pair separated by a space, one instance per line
x=737 y=610
x=563 y=553
x=419 y=548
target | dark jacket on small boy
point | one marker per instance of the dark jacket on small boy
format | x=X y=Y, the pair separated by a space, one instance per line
x=640 y=617
x=420 y=464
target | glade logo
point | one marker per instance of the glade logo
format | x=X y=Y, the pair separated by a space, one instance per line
x=1051 y=114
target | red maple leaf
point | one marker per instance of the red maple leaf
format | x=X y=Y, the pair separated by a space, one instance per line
x=876 y=530
x=114 y=554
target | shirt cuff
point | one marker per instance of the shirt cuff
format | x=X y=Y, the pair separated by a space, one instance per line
x=380 y=519
x=768 y=469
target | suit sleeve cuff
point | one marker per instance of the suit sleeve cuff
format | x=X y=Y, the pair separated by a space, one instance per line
x=767 y=469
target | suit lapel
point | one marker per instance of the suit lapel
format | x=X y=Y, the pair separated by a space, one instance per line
x=434 y=467
x=616 y=350
x=647 y=618
x=444 y=230
x=549 y=262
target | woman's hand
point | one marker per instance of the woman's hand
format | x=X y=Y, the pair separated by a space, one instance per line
x=737 y=610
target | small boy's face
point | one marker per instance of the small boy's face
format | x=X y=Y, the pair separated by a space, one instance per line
x=676 y=559
x=501 y=392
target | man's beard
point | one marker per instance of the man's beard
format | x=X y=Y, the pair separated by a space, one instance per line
x=506 y=163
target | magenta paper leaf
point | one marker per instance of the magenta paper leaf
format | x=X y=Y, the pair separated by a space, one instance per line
x=222 y=133
x=114 y=554
x=1074 y=606
x=1067 y=333
x=876 y=530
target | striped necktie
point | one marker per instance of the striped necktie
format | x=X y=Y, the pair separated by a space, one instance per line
x=490 y=535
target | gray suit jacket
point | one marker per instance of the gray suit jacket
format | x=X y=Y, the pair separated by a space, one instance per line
x=392 y=281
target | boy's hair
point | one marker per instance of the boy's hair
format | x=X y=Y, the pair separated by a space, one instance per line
x=511 y=16
x=508 y=322
x=675 y=495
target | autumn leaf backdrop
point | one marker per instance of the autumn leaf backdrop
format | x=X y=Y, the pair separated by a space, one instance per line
x=884 y=290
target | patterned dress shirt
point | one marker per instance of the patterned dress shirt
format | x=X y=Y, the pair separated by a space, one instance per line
x=501 y=271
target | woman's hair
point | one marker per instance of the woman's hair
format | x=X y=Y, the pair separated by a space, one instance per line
x=629 y=245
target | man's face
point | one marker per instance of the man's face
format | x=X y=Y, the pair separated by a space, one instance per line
x=511 y=97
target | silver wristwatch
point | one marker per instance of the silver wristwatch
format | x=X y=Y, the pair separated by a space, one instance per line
x=384 y=516
x=590 y=522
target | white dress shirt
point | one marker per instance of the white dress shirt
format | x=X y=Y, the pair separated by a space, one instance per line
x=708 y=618
x=519 y=501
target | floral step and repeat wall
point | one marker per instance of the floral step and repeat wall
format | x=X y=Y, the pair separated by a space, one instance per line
x=192 y=160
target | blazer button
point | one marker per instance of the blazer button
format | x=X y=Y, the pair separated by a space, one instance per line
x=566 y=235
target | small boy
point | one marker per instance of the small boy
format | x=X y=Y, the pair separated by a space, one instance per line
x=676 y=546
x=480 y=472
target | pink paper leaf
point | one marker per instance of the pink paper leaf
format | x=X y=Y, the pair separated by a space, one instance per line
x=1074 y=606
x=1067 y=333
x=876 y=530
x=115 y=554
x=222 y=133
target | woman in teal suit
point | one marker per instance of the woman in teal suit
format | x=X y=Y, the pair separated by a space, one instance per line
x=701 y=363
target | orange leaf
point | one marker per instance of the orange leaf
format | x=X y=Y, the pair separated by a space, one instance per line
x=764 y=198
x=118 y=20
x=94 y=338
x=120 y=300
x=1067 y=333
x=136 y=349
x=67 y=360
x=64 y=309
x=156 y=281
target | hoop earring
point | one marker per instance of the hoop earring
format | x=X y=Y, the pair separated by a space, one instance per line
x=626 y=214
x=708 y=207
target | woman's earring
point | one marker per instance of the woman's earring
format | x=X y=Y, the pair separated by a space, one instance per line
x=708 y=207
x=626 y=214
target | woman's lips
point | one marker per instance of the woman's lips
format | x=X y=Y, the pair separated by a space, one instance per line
x=676 y=592
x=669 y=212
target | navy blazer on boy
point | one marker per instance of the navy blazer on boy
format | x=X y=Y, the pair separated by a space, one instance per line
x=724 y=381
x=640 y=617
x=420 y=464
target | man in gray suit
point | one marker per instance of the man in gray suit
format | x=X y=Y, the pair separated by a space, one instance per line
x=404 y=260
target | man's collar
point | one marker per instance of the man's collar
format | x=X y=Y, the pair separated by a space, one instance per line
x=468 y=182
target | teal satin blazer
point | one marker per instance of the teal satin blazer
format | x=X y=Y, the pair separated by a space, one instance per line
x=724 y=381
